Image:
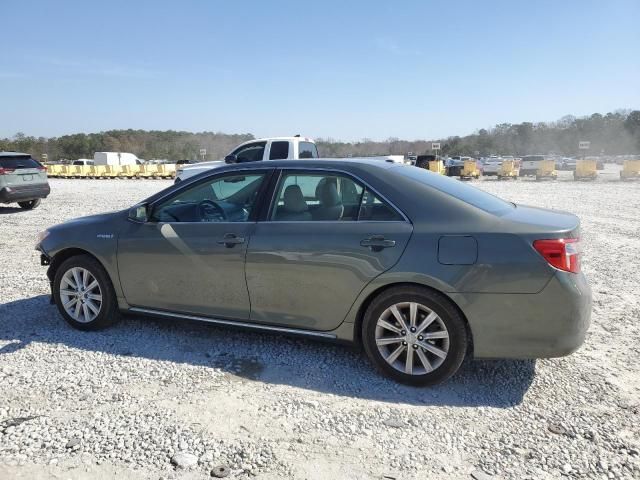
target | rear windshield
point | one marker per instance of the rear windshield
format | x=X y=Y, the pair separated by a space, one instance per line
x=471 y=195
x=18 y=161
x=307 y=150
x=533 y=158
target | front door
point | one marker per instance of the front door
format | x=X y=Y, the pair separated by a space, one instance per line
x=189 y=257
x=326 y=237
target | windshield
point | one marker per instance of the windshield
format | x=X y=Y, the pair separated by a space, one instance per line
x=462 y=191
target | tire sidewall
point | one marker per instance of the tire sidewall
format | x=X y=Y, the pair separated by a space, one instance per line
x=449 y=315
x=108 y=311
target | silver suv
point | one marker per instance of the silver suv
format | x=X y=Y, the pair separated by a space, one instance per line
x=22 y=180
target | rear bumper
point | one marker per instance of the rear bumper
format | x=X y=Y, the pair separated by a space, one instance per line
x=24 y=193
x=551 y=323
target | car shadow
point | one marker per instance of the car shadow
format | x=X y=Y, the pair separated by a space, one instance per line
x=8 y=210
x=269 y=358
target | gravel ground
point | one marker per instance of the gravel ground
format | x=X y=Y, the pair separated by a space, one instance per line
x=137 y=399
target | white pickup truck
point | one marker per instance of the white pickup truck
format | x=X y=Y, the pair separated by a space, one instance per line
x=274 y=148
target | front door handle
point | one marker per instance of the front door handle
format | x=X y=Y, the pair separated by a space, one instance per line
x=377 y=243
x=230 y=240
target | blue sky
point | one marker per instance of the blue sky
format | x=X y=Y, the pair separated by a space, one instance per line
x=341 y=69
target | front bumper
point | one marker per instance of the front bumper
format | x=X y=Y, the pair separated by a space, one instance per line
x=551 y=323
x=24 y=193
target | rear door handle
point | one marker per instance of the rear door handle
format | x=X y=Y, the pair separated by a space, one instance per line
x=377 y=242
x=230 y=240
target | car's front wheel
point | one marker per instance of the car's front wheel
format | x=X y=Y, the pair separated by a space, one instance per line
x=414 y=335
x=30 y=204
x=84 y=294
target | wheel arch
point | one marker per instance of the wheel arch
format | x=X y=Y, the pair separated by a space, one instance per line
x=357 y=332
x=62 y=255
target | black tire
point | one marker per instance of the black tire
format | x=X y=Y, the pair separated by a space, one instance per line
x=438 y=303
x=29 y=204
x=109 y=312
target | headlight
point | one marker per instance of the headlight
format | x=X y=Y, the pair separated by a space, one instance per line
x=41 y=236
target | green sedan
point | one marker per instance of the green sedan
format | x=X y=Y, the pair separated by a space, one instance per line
x=419 y=269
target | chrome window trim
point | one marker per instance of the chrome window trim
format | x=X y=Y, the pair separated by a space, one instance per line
x=217 y=321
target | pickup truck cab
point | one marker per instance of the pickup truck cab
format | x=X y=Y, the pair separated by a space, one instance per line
x=274 y=148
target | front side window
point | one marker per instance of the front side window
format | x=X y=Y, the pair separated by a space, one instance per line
x=254 y=152
x=279 y=151
x=328 y=197
x=307 y=150
x=224 y=199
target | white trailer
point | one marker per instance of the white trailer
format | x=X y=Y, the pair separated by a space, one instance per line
x=115 y=158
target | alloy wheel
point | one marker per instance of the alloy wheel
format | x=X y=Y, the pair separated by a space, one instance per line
x=80 y=294
x=412 y=338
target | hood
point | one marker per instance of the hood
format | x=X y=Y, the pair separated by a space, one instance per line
x=90 y=220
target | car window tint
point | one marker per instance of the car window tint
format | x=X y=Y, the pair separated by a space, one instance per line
x=317 y=197
x=224 y=199
x=279 y=151
x=254 y=152
x=460 y=190
x=374 y=209
x=307 y=150
x=17 y=162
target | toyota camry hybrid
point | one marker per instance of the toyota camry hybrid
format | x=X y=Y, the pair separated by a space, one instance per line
x=417 y=268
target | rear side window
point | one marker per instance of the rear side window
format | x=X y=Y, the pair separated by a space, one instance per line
x=471 y=195
x=307 y=150
x=17 y=162
x=250 y=153
x=279 y=151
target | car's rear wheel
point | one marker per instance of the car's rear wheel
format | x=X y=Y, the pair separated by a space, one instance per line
x=414 y=335
x=30 y=204
x=84 y=294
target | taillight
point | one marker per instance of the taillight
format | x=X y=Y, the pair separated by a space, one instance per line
x=561 y=253
x=6 y=170
x=42 y=168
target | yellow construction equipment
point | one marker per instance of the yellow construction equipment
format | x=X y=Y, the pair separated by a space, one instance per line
x=437 y=166
x=148 y=171
x=509 y=169
x=54 y=170
x=585 y=170
x=630 y=169
x=546 y=169
x=129 y=171
x=166 y=170
x=470 y=170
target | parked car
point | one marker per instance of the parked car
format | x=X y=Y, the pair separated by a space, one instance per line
x=492 y=165
x=529 y=165
x=23 y=180
x=566 y=163
x=83 y=161
x=418 y=268
x=275 y=148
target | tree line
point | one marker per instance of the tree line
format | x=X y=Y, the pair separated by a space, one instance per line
x=614 y=133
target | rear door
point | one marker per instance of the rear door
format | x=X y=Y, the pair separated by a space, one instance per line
x=326 y=236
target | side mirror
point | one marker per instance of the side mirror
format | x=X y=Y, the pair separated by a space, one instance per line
x=138 y=213
x=231 y=159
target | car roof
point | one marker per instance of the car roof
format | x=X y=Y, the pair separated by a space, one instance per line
x=13 y=154
x=312 y=163
x=275 y=139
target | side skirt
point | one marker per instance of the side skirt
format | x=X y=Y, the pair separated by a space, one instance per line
x=231 y=323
